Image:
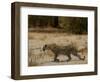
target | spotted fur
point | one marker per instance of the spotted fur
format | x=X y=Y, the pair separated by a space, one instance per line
x=65 y=50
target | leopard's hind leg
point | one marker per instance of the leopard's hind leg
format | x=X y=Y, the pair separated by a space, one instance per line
x=69 y=58
x=55 y=59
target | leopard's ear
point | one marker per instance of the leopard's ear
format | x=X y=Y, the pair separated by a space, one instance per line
x=44 y=47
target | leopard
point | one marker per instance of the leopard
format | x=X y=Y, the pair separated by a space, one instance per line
x=65 y=50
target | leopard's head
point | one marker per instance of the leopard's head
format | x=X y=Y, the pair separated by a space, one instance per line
x=48 y=46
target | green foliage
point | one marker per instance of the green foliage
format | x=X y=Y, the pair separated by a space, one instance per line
x=76 y=25
x=42 y=21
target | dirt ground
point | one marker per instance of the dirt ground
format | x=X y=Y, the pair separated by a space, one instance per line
x=37 y=57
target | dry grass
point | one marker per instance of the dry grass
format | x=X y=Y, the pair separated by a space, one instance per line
x=37 y=40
